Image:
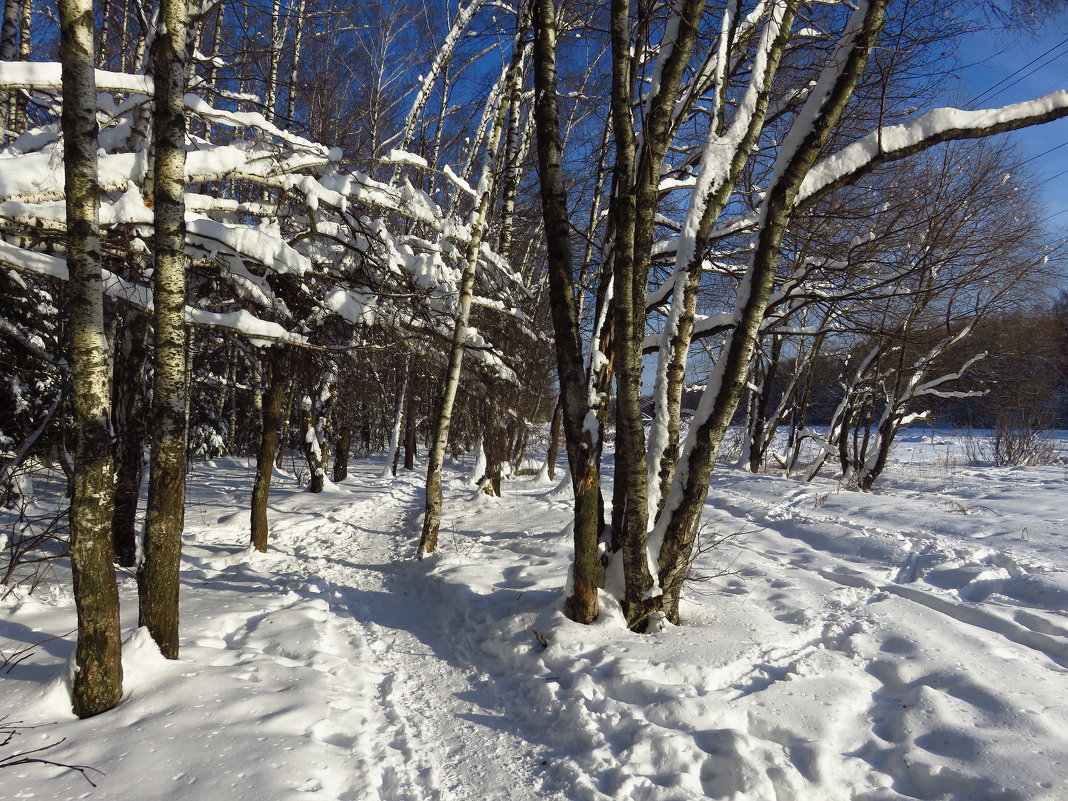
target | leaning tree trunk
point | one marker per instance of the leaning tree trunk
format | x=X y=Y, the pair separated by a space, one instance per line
x=97 y=682
x=271 y=418
x=428 y=542
x=679 y=523
x=157 y=580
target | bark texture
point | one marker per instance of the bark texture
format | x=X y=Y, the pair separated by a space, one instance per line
x=129 y=403
x=272 y=418
x=97 y=683
x=428 y=541
x=580 y=429
x=157 y=580
x=681 y=518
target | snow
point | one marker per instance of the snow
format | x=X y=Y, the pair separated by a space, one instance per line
x=260 y=333
x=458 y=181
x=909 y=643
x=404 y=157
x=48 y=75
x=894 y=141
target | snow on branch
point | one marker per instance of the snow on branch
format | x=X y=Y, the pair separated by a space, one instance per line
x=48 y=75
x=894 y=142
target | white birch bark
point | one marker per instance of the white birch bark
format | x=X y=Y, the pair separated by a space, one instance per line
x=485 y=190
x=97 y=681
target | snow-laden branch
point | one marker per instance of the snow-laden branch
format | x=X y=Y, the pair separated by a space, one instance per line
x=48 y=75
x=894 y=142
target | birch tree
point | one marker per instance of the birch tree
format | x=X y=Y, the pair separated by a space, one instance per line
x=580 y=427
x=98 y=676
x=483 y=194
x=774 y=141
x=157 y=578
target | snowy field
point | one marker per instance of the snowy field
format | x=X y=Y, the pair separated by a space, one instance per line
x=906 y=644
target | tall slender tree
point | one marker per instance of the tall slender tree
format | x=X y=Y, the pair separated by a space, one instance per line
x=98 y=677
x=581 y=431
x=165 y=516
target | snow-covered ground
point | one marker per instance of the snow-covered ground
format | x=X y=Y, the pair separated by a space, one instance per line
x=910 y=643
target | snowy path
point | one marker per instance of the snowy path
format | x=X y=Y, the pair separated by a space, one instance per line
x=420 y=725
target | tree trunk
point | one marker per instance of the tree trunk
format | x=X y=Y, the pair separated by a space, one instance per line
x=428 y=542
x=633 y=213
x=97 y=682
x=554 y=440
x=129 y=402
x=294 y=67
x=583 y=444
x=410 y=443
x=678 y=524
x=271 y=418
x=314 y=452
x=287 y=416
x=157 y=580
x=398 y=422
x=8 y=47
x=274 y=59
x=341 y=453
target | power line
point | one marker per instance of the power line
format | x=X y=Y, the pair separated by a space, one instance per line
x=1037 y=58
x=1055 y=214
x=1043 y=153
x=1051 y=178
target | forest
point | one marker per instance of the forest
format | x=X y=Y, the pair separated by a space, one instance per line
x=628 y=250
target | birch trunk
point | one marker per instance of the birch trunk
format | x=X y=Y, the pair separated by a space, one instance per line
x=97 y=681
x=157 y=580
x=398 y=423
x=270 y=98
x=633 y=215
x=428 y=542
x=678 y=525
x=294 y=67
x=8 y=47
x=580 y=429
x=24 y=55
x=272 y=416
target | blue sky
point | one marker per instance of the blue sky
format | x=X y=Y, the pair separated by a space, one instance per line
x=990 y=58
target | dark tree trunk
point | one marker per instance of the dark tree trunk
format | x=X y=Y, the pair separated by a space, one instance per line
x=130 y=403
x=410 y=443
x=157 y=580
x=341 y=453
x=583 y=445
x=554 y=440
x=272 y=416
x=286 y=416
